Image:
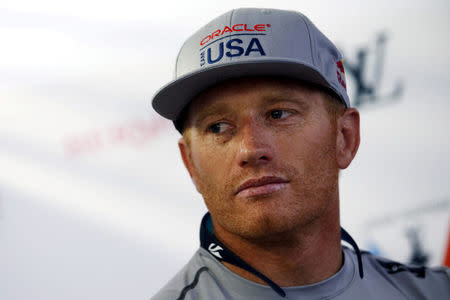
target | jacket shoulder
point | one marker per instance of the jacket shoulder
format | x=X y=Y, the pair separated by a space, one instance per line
x=410 y=280
x=187 y=280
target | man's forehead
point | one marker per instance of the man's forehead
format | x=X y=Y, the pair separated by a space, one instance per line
x=267 y=90
x=245 y=84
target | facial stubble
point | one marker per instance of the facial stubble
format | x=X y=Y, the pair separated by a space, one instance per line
x=313 y=190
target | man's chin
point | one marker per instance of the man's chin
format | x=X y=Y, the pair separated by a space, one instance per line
x=260 y=226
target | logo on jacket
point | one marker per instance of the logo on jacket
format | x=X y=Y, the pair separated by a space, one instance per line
x=395 y=267
x=214 y=249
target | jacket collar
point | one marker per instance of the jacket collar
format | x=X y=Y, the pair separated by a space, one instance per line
x=219 y=251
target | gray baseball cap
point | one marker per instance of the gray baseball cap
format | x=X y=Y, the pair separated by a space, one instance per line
x=252 y=42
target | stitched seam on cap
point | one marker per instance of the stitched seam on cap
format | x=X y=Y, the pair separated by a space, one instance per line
x=310 y=40
x=231 y=22
x=231 y=17
x=178 y=56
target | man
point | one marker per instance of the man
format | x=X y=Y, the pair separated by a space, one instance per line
x=260 y=99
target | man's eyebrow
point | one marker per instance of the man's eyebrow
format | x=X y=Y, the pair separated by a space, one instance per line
x=208 y=111
x=272 y=99
x=288 y=97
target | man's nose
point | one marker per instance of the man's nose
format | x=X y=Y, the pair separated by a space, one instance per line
x=254 y=145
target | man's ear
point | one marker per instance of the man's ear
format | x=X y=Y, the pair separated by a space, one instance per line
x=348 y=137
x=187 y=158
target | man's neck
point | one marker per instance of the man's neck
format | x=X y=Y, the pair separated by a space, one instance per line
x=310 y=254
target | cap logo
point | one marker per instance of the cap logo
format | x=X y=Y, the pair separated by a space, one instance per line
x=341 y=73
x=233 y=48
x=231 y=29
x=245 y=42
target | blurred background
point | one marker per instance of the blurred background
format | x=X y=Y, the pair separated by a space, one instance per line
x=94 y=200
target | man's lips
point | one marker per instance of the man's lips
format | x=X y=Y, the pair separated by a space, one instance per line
x=261 y=186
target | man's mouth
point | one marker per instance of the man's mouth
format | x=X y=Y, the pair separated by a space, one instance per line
x=261 y=186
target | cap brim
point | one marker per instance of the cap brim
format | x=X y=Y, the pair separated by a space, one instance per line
x=170 y=100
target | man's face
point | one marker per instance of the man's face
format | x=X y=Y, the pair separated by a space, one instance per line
x=262 y=153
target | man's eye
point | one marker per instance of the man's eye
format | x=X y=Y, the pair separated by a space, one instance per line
x=218 y=127
x=279 y=114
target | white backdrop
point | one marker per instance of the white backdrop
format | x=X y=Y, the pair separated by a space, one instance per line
x=94 y=200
